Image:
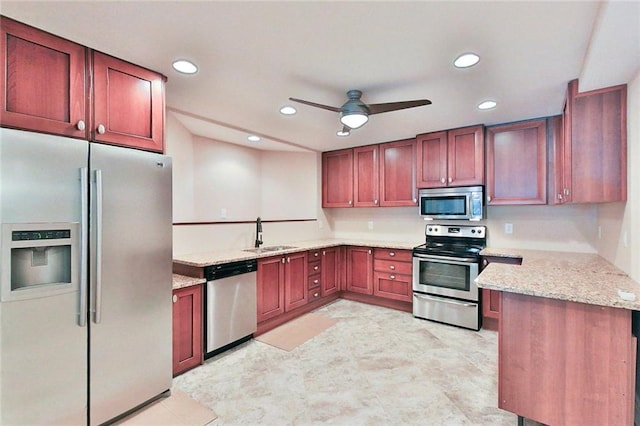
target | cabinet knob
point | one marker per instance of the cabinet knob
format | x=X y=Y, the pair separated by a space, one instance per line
x=80 y=125
x=392 y=267
x=315 y=295
x=350 y=202
x=560 y=197
x=282 y=260
x=415 y=200
x=315 y=281
x=450 y=180
x=175 y=298
x=101 y=129
x=393 y=277
x=442 y=180
x=392 y=253
x=566 y=191
x=375 y=202
x=485 y=262
x=288 y=260
x=315 y=268
x=489 y=198
x=324 y=253
x=316 y=254
x=369 y=251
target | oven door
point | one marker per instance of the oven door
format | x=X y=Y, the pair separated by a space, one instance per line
x=446 y=276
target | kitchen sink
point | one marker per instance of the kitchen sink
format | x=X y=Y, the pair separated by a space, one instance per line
x=269 y=249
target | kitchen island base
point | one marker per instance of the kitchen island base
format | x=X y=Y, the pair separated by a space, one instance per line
x=566 y=363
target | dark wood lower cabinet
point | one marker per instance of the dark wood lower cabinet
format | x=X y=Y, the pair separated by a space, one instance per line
x=187 y=328
x=491 y=299
x=566 y=363
x=360 y=270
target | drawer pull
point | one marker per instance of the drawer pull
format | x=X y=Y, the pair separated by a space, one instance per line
x=315 y=294
x=316 y=254
x=315 y=281
x=315 y=268
x=393 y=277
x=392 y=253
x=392 y=267
x=175 y=299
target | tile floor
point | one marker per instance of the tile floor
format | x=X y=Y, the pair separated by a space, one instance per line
x=375 y=366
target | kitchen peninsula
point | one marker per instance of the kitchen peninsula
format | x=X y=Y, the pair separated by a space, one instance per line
x=567 y=354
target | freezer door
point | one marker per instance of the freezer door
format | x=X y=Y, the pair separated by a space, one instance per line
x=130 y=322
x=43 y=349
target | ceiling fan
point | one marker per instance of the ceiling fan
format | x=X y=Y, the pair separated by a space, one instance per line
x=355 y=113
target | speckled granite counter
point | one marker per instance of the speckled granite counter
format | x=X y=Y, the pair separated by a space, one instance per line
x=576 y=277
x=181 y=281
x=224 y=256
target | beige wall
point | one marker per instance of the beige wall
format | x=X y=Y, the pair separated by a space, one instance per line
x=211 y=176
x=620 y=222
x=562 y=228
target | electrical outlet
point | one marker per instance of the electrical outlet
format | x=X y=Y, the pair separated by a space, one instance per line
x=508 y=228
x=370 y=225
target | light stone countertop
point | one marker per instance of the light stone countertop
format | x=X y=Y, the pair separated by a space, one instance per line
x=225 y=256
x=181 y=281
x=576 y=277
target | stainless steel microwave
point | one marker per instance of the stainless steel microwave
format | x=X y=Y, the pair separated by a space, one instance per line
x=463 y=203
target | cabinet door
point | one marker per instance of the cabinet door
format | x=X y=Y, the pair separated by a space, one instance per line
x=360 y=270
x=43 y=81
x=366 y=178
x=187 y=328
x=270 y=282
x=295 y=287
x=393 y=286
x=465 y=156
x=128 y=104
x=330 y=271
x=432 y=160
x=517 y=163
x=596 y=145
x=337 y=178
x=556 y=158
x=398 y=173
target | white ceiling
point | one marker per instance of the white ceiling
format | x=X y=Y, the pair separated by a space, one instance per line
x=253 y=56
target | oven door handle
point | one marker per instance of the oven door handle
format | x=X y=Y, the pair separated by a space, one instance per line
x=441 y=299
x=446 y=259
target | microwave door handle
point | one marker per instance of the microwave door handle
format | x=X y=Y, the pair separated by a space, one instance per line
x=447 y=259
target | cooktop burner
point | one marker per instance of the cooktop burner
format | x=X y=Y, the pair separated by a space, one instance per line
x=453 y=241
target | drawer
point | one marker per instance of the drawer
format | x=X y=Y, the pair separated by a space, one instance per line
x=314 y=267
x=393 y=266
x=391 y=254
x=314 y=281
x=392 y=286
x=314 y=294
x=314 y=255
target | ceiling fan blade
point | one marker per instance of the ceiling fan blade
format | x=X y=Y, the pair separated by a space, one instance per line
x=313 y=104
x=394 y=106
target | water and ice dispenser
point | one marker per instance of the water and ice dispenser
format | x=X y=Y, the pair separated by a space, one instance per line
x=39 y=260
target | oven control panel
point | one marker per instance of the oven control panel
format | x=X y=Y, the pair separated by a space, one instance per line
x=455 y=231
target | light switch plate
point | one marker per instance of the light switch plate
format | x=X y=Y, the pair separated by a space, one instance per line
x=508 y=228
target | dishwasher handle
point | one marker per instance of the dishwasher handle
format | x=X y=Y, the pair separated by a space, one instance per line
x=225 y=270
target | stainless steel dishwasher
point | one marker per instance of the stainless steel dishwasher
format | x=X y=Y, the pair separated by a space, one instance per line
x=231 y=312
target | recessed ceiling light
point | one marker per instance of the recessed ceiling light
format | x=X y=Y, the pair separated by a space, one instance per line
x=288 y=110
x=253 y=138
x=466 y=60
x=185 y=67
x=343 y=133
x=487 y=105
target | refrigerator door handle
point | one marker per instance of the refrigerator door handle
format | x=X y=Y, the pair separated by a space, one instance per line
x=84 y=229
x=98 y=307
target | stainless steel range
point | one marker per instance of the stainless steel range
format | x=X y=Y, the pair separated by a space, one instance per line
x=444 y=270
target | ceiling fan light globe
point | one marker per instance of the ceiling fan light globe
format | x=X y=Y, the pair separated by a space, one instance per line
x=354 y=120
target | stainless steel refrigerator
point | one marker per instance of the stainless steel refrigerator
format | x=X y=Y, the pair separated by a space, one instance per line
x=85 y=279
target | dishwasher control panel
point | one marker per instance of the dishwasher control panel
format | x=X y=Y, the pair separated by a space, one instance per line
x=216 y=272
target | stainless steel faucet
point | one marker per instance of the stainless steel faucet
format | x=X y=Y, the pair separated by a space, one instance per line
x=258 y=232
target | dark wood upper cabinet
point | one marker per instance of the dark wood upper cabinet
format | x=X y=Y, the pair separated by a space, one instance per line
x=128 y=104
x=337 y=178
x=451 y=158
x=517 y=163
x=46 y=89
x=43 y=82
x=398 y=173
x=594 y=167
x=366 y=181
